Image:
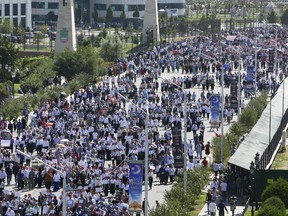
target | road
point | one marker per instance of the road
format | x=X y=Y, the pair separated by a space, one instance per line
x=157 y=192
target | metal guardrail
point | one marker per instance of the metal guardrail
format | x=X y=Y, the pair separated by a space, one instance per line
x=246 y=207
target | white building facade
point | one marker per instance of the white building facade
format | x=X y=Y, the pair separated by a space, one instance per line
x=84 y=9
x=129 y=6
x=17 y=11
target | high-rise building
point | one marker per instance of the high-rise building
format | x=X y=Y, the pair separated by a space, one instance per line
x=17 y=11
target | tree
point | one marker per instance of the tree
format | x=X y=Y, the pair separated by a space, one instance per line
x=109 y=14
x=95 y=16
x=122 y=17
x=21 y=32
x=9 y=56
x=51 y=17
x=237 y=129
x=284 y=17
x=136 y=13
x=183 y=25
x=272 y=206
x=111 y=47
x=203 y=23
x=277 y=188
x=83 y=61
x=178 y=203
x=38 y=71
x=3 y=91
x=7 y=26
x=272 y=17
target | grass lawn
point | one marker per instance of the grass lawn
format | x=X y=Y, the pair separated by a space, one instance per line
x=248 y=212
x=16 y=87
x=280 y=161
x=200 y=202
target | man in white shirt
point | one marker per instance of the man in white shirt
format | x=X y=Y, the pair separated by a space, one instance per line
x=56 y=181
x=223 y=186
x=10 y=212
x=212 y=208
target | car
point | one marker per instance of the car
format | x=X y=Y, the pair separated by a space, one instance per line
x=5 y=138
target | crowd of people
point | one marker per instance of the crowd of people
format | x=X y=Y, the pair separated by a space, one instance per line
x=78 y=134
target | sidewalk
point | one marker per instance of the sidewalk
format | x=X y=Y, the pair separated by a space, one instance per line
x=238 y=211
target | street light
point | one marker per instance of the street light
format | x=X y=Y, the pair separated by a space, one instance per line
x=64 y=205
x=185 y=131
x=257 y=161
x=239 y=78
x=222 y=103
x=252 y=172
x=146 y=150
x=116 y=48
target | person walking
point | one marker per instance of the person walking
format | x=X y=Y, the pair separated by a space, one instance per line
x=150 y=178
x=223 y=187
x=212 y=208
x=208 y=199
x=31 y=179
x=221 y=207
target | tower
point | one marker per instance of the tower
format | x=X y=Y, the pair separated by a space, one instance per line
x=150 y=29
x=66 y=34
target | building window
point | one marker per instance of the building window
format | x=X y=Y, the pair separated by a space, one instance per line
x=15 y=9
x=15 y=22
x=7 y=10
x=133 y=7
x=40 y=5
x=100 y=7
x=23 y=9
x=38 y=19
x=53 y=5
x=23 y=22
x=117 y=7
x=0 y=10
x=171 y=6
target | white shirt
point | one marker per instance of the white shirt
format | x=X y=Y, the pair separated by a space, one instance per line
x=223 y=186
x=56 y=177
x=212 y=207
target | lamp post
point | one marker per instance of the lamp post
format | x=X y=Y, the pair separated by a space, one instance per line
x=270 y=116
x=64 y=205
x=256 y=72
x=252 y=172
x=257 y=167
x=116 y=48
x=222 y=102
x=13 y=74
x=239 y=79
x=146 y=151
x=185 y=132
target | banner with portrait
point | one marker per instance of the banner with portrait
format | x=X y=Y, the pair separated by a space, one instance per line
x=215 y=111
x=234 y=95
x=250 y=73
x=135 y=186
x=177 y=148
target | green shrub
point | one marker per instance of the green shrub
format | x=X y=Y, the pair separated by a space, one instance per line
x=270 y=211
x=278 y=188
x=176 y=202
x=275 y=201
x=273 y=206
x=249 y=117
